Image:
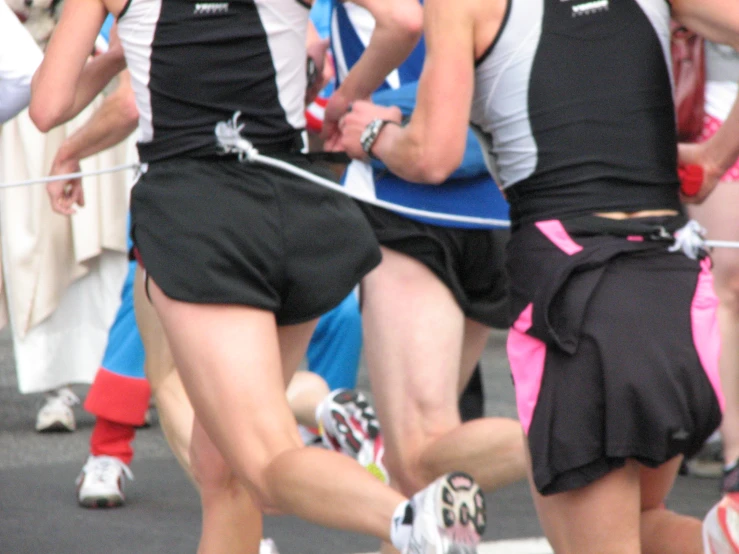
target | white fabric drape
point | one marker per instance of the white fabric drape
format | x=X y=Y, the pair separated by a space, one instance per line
x=61 y=277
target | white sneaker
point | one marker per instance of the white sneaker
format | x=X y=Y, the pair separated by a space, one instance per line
x=56 y=414
x=267 y=546
x=101 y=482
x=348 y=424
x=449 y=517
x=721 y=527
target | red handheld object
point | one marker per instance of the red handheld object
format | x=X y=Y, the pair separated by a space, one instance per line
x=691 y=179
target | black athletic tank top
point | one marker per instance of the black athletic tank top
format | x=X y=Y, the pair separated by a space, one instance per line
x=194 y=64
x=574 y=105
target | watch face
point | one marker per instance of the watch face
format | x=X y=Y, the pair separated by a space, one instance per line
x=366 y=133
x=369 y=135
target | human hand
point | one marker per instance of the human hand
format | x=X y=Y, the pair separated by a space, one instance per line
x=322 y=70
x=335 y=109
x=354 y=122
x=690 y=157
x=64 y=194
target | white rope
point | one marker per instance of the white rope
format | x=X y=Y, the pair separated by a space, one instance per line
x=68 y=176
x=689 y=238
x=722 y=244
x=230 y=139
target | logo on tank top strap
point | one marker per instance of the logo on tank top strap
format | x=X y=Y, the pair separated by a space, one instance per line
x=589 y=8
x=210 y=8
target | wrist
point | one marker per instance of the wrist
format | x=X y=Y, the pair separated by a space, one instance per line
x=339 y=101
x=63 y=155
x=723 y=162
x=716 y=156
x=371 y=134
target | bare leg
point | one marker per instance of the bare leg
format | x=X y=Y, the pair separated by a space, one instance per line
x=175 y=411
x=621 y=513
x=503 y=437
x=226 y=504
x=230 y=361
x=475 y=338
x=232 y=521
x=663 y=530
x=416 y=339
x=602 y=517
x=718 y=216
x=304 y=393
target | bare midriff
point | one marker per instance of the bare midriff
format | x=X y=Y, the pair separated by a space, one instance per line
x=632 y=215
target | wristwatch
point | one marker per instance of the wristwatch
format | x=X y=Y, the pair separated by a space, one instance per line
x=370 y=134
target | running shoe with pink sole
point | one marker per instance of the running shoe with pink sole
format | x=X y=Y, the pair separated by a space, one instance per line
x=721 y=527
x=348 y=424
x=449 y=517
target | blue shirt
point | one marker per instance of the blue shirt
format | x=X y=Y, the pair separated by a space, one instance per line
x=470 y=191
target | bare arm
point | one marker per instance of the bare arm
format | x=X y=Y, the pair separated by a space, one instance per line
x=56 y=85
x=116 y=118
x=96 y=75
x=715 y=155
x=431 y=146
x=19 y=57
x=716 y=20
x=398 y=27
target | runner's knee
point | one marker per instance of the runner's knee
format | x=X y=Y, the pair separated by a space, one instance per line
x=406 y=466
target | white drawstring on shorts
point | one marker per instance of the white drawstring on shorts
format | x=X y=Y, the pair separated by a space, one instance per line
x=229 y=139
x=690 y=239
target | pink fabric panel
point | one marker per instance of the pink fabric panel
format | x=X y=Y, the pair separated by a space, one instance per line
x=705 y=328
x=555 y=231
x=526 y=356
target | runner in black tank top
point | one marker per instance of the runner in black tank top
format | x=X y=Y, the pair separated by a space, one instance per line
x=614 y=344
x=241 y=259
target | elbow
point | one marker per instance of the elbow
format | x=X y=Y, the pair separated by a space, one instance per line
x=44 y=118
x=407 y=19
x=433 y=175
x=47 y=113
x=129 y=110
x=436 y=167
x=433 y=170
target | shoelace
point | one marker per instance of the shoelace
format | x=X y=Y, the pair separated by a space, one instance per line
x=106 y=468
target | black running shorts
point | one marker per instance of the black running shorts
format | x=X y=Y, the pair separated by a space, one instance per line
x=470 y=262
x=217 y=231
x=614 y=351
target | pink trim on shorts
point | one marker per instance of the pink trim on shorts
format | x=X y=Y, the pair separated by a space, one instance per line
x=635 y=238
x=526 y=356
x=555 y=231
x=706 y=336
x=710 y=126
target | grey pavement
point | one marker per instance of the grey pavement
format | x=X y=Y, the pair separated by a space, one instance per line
x=39 y=513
